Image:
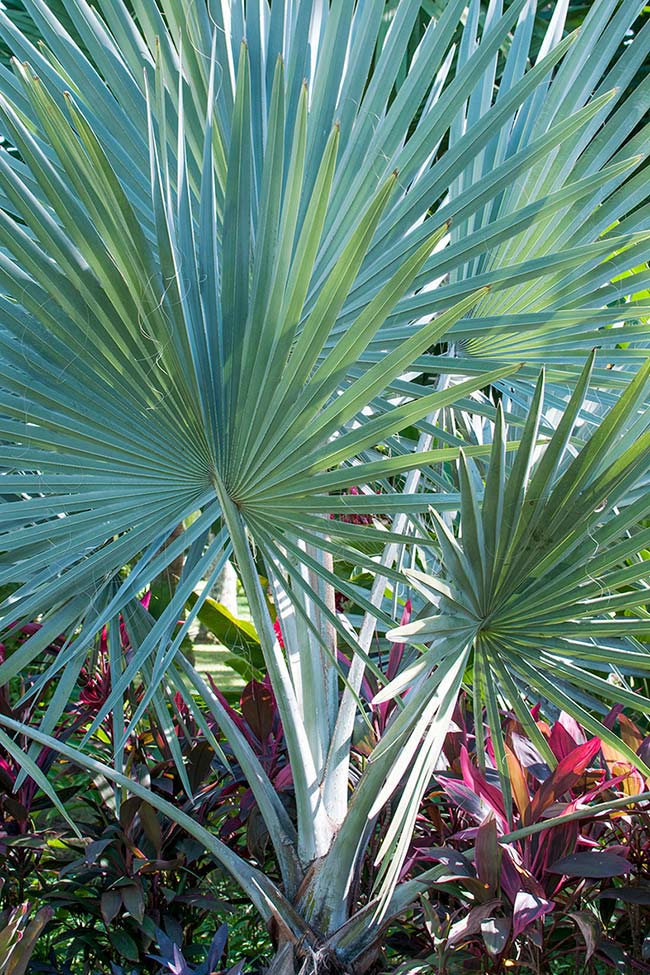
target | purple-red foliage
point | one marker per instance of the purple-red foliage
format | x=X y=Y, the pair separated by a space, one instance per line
x=552 y=891
x=258 y=720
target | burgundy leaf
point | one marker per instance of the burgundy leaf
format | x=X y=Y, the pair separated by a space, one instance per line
x=479 y=784
x=151 y=826
x=128 y=809
x=464 y=930
x=258 y=707
x=591 y=863
x=552 y=844
x=457 y=862
x=515 y=877
x=610 y=719
x=568 y=772
x=284 y=779
x=466 y=798
x=527 y=909
x=589 y=928
x=570 y=724
x=15 y=809
x=257 y=835
x=236 y=717
x=495 y=932
x=199 y=762
x=629 y=895
x=561 y=743
x=133 y=901
x=110 y=904
x=487 y=854
x=96 y=848
x=618 y=958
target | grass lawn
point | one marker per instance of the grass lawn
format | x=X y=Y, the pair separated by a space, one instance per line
x=213 y=659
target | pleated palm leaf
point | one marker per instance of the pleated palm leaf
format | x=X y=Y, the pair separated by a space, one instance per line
x=225 y=292
x=541 y=590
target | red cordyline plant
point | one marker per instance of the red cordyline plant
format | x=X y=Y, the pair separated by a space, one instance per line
x=258 y=720
x=132 y=869
x=18 y=790
x=25 y=699
x=534 y=885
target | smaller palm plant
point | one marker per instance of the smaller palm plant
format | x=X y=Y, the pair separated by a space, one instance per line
x=549 y=557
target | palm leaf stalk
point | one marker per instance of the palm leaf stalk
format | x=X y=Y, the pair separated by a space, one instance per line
x=254 y=255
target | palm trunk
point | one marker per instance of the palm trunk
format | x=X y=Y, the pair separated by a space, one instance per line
x=323 y=959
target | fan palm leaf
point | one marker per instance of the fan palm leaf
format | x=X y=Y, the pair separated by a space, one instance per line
x=546 y=566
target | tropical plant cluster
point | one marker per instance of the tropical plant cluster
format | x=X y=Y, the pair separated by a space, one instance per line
x=568 y=894
x=353 y=297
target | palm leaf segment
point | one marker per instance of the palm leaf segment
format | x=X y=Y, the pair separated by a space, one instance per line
x=549 y=322
x=546 y=583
